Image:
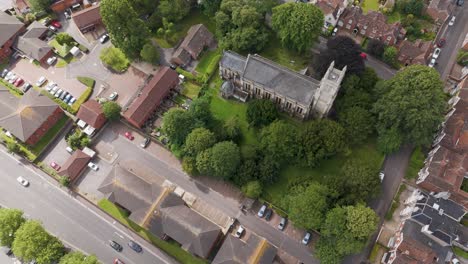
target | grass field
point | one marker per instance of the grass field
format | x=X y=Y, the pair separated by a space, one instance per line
x=191 y=90
x=415 y=164
x=62 y=50
x=368 y=5
x=44 y=141
x=460 y=252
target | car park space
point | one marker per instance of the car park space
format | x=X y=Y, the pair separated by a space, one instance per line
x=126 y=85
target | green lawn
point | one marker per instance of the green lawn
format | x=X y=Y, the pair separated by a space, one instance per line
x=181 y=28
x=415 y=165
x=368 y=5
x=375 y=250
x=191 y=90
x=170 y=248
x=289 y=58
x=460 y=252
x=62 y=50
x=44 y=141
x=23 y=148
x=393 y=17
x=208 y=62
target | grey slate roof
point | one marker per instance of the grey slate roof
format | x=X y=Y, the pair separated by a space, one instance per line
x=23 y=116
x=233 y=61
x=136 y=193
x=195 y=233
x=35 y=30
x=9 y=26
x=30 y=44
x=237 y=251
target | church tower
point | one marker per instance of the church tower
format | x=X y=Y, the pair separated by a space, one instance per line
x=328 y=90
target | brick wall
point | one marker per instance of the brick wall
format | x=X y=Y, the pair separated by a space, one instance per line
x=48 y=124
x=5 y=50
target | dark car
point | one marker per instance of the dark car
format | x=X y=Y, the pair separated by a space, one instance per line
x=268 y=214
x=26 y=87
x=104 y=38
x=441 y=43
x=282 y=223
x=460 y=2
x=115 y=245
x=172 y=66
x=134 y=246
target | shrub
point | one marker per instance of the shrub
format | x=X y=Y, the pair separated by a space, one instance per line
x=252 y=189
x=111 y=110
x=86 y=81
x=64 y=39
x=150 y=54
x=115 y=59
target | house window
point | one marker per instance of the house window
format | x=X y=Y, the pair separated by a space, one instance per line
x=247 y=86
x=299 y=110
x=278 y=100
x=267 y=95
x=257 y=91
x=288 y=105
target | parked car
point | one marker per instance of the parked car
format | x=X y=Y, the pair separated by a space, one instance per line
x=118 y=261
x=441 y=42
x=115 y=245
x=55 y=166
x=335 y=30
x=268 y=214
x=72 y=101
x=7 y=251
x=282 y=223
x=261 y=212
x=172 y=66
x=13 y=78
x=129 y=135
x=452 y=21
x=67 y=14
x=54 y=90
x=113 y=96
x=56 y=24
x=62 y=97
x=50 y=86
x=51 y=60
x=306 y=239
x=432 y=63
x=53 y=29
x=22 y=181
x=46 y=21
x=4 y=73
x=381 y=176
x=41 y=81
x=26 y=87
x=69 y=150
x=18 y=82
x=460 y=2
x=436 y=53
x=133 y=245
x=93 y=166
x=58 y=93
x=239 y=231
x=363 y=55
x=67 y=98
x=104 y=38
x=8 y=76
x=145 y=142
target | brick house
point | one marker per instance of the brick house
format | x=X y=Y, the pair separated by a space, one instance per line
x=75 y=165
x=60 y=5
x=91 y=113
x=88 y=19
x=416 y=52
x=32 y=43
x=332 y=10
x=371 y=25
x=30 y=117
x=11 y=28
x=21 y=6
x=151 y=96
x=198 y=38
x=440 y=10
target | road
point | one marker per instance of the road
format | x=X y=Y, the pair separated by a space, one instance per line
x=77 y=223
x=454 y=36
x=227 y=205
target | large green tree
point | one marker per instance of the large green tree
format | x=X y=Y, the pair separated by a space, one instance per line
x=198 y=140
x=39 y=5
x=32 y=242
x=279 y=140
x=128 y=32
x=149 y=53
x=115 y=59
x=297 y=25
x=174 y=10
x=361 y=181
x=252 y=189
x=358 y=124
x=77 y=257
x=222 y=160
x=111 y=110
x=10 y=221
x=200 y=111
x=321 y=139
x=210 y=7
x=411 y=108
x=177 y=124
x=261 y=112
x=307 y=209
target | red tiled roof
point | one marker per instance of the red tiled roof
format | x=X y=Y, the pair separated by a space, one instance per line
x=91 y=113
x=151 y=96
x=88 y=16
x=75 y=165
x=412 y=251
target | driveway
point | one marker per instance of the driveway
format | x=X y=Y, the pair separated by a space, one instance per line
x=69 y=26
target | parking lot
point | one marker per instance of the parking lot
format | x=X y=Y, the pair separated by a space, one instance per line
x=31 y=73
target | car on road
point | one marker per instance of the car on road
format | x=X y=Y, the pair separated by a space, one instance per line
x=18 y=82
x=381 y=176
x=41 y=81
x=432 y=63
x=436 y=53
x=56 y=24
x=145 y=142
x=239 y=231
x=113 y=96
x=129 y=135
x=104 y=38
x=55 y=166
x=306 y=238
x=22 y=181
x=51 y=60
x=93 y=166
x=133 y=245
x=441 y=42
x=4 y=73
x=282 y=223
x=261 y=212
x=26 y=87
x=452 y=21
x=115 y=246
x=118 y=261
x=268 y=214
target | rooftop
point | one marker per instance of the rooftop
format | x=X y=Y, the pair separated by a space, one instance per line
x=75 y=165
x=9 y=26
x=254 y=250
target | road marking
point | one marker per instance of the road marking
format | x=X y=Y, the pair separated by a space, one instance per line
x=119 y=235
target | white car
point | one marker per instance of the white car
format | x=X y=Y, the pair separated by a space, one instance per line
x=113 y=96
x=13 y=78
x=239 y=231
x=58 y=93
x=93 y=166
x=41 y=81
x=22 y=181
x=452 y=21
x=69 y=150
x=381 y=176
x=432 y=63
x=51 y=86
x=261 y=212
x=51 y=60
x=436 y=53
x=9 y=75
x=306 y=239
x=54 y=90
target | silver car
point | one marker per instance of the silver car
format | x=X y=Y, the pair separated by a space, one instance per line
x=261 y=212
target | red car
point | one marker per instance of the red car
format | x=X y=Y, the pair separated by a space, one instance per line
x=118 y=261
x=55 y=166
x=19 y=82
x=441 y=43
x=56 y=24
x=363 y=55
x=129 y=136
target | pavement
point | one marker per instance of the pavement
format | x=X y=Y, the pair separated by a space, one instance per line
x=75 y=221
x=5 y=4
x=454 y=36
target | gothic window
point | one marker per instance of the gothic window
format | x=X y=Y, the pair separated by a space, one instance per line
x=278 y=100
x=288 y=105
x=299 y=110
x=267 y=95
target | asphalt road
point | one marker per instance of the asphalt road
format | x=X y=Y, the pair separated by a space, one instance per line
x=454 y=36
x=77 y=223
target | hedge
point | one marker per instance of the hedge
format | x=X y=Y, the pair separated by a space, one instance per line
x=86 y=81
x=84 y=96
x=14 y=90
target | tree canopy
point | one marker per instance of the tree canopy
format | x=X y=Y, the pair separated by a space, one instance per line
x=261 y=112
x=77 y=257
x=222 y=160
x=297 y=25
x=390 y=56
x=111 y=110
x=177 y=124
x=39 y=5
x=375 y=47
x=128 y=32
x=411 y=108
x=358 y=124
x=279 y=141
x=307 y=209
x=361 y=181
x=252 y=189
x=344 y=51
x=10 y=221
x=210 y=7
x=174 y=10
x=198 y=140
x=149 y=53
x=115 y=59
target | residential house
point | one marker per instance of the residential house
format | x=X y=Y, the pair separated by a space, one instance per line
x=198 y=38
x=30 y=117
x=440 y=10
x=21 y=6
x=151 y=96
x=371 y=25
x=60 y=5
x=91 y=113
x=446 y=166
x=297 y=94
x=416 y=52
x=251 y=251
x=32 y=43
x=332 y=10
x=88 y=19
x=75 y=165
x=10 y=28
x=174 y=219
